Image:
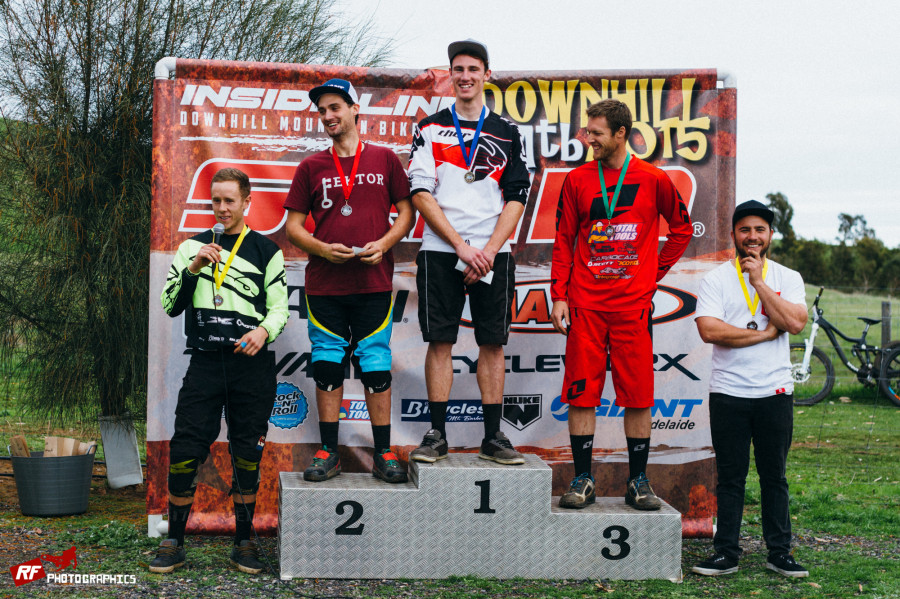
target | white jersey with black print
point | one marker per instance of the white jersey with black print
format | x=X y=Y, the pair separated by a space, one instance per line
x=437 y=165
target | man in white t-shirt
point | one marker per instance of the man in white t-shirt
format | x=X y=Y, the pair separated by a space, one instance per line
x=747 y=308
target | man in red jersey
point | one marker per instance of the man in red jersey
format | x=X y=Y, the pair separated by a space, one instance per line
x=349 y=190
x=604 y=274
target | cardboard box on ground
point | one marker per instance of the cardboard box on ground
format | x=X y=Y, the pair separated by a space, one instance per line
x=53 y=447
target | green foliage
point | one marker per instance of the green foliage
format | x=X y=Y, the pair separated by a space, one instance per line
x=75 y=159
x=859 y=260
x=784 y=212
x=114 y=535
x=853 y=227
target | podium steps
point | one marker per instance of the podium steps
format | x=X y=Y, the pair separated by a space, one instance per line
x=467 y=516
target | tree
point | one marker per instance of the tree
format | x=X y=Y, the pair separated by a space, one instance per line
x=811 y=259
x=852 y=228
x=75 y=153
x=784 y=213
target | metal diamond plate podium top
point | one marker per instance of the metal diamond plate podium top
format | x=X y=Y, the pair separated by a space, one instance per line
x=463 y=516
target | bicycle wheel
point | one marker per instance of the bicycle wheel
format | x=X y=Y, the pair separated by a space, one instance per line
x=814 y=384
x=889 y=377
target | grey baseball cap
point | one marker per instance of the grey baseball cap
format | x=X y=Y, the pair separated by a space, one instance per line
x=469 y=46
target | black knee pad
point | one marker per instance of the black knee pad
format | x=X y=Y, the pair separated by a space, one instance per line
x=328 y=375
x=183 y=476
x=376 y=381
x=246 y=473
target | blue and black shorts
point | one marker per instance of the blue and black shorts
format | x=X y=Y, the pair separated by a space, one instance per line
x=361 y=323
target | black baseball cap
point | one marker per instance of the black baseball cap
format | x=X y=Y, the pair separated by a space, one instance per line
x=752 y=208
x=468 y=46
x=334 y=86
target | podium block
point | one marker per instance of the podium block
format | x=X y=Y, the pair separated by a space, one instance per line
x=467 y=516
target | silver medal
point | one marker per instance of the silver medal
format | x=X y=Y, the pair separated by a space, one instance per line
x=752 y=325
x=469 y=177
x=346 y=210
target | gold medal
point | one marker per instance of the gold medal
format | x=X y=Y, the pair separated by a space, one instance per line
x=217 y=300
x=752 y=304
x=469 y=177
x=219 y=275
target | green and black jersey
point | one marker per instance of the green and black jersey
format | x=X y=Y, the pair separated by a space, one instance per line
x=253 y=294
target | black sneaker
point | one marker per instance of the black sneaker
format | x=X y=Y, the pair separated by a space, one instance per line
x=432 y=449
x=785 y=565
x=580 y=493
x=246 y=557
x=168 y=557
x=325 y=464
x=387 y=467
x=640 y=495
x=500 y=450
x=717 y=565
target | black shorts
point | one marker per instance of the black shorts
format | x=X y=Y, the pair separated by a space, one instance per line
x=250 y=385
x=442 y=296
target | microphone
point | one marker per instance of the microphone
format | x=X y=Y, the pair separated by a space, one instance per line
x=218 y=230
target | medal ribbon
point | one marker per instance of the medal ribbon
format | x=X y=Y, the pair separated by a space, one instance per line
x=220 y=276
x=470 y=155
x=348 y=183
x=611 y=207
x=754 y=303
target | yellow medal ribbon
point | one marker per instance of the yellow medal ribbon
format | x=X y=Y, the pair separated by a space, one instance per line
x=220 y=276
x=754 y=303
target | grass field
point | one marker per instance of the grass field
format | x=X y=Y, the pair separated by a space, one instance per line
x=844 y=472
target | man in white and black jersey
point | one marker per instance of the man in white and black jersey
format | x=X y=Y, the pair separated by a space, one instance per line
x=469 y=180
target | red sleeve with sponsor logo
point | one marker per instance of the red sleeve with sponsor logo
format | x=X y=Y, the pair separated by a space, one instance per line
x=596 y=270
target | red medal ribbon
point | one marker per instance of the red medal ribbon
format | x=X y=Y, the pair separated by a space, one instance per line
x=348 y=183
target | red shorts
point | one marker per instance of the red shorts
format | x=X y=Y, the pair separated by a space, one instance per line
x=627 y=337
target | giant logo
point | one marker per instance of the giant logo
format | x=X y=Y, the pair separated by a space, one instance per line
x=683 y=409
x=531 y=307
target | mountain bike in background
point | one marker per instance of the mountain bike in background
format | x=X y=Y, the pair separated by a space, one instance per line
x=813 y=372
x=889 y=381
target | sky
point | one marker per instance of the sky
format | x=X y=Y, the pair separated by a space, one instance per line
x=815 y=80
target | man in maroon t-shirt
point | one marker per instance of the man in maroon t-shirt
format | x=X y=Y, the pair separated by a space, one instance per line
x=349 y=190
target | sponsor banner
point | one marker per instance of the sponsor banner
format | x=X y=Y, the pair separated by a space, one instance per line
x=258 y=117
x=354 y=409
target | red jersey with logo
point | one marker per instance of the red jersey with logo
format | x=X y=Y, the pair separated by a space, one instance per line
x=317 y=190
x=618 y=272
